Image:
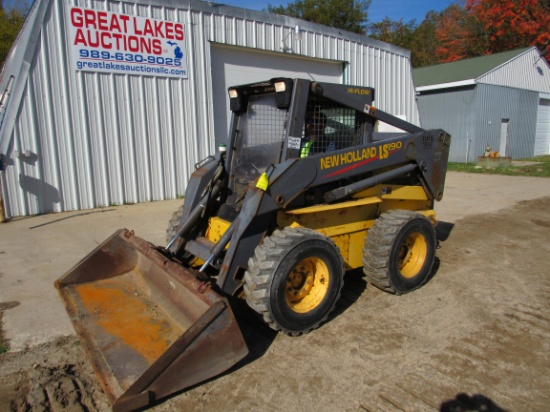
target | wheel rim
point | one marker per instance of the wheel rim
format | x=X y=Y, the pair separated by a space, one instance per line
x=412 y=254
x=307 y=284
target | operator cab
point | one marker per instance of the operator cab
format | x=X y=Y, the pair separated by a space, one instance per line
x=273 y=124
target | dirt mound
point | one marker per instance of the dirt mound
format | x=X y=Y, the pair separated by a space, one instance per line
x=53 y=377
x=58 y=389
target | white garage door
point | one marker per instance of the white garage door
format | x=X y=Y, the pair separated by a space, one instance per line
x=232 y=66
x=542 y=139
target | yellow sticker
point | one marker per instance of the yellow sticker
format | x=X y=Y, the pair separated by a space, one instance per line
x=263 y=182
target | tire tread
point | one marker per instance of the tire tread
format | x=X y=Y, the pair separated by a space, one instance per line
x=378 y=246
x=263 y=264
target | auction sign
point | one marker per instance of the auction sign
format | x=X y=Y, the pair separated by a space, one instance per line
x=102 y=41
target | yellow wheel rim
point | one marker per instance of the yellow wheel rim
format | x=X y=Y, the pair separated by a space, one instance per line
x=412 y=255
x=307 y=284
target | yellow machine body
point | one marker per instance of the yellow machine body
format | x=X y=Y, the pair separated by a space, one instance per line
x=347 y=222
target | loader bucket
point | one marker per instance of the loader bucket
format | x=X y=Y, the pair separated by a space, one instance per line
x=148 y=326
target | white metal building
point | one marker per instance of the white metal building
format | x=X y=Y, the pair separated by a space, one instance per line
x=500 y=100
x=108 y=102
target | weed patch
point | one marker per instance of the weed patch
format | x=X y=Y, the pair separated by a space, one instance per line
x=534 y=167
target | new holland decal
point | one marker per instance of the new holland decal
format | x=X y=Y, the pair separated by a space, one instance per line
x=358 y=157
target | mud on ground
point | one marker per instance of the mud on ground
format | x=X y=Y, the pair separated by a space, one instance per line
x=475 y=337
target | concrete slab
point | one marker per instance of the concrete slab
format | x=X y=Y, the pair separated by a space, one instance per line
x=36 y=251
x=471 y=193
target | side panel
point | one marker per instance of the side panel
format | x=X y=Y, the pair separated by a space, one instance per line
x=454 y=112
x=517 y=106
x=347 y=223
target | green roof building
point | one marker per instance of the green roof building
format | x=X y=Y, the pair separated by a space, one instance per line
x=501 y=100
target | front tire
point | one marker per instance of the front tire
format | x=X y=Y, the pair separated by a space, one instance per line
x=173 y=224
x=399 y=251
x=294 y=279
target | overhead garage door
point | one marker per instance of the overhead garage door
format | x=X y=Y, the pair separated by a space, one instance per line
x=235 y=65
x=542 y=139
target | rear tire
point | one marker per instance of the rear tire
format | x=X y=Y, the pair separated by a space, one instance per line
x=294 y=279
x=399 y=251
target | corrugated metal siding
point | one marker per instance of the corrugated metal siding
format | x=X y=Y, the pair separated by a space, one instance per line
x=97 y=139
x=528 y=71
x=473 y=117
x=454 y=112
x=519 y=106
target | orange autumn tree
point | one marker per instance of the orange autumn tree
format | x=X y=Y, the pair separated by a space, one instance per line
x=479 y=27
x=460 y=35
x=512 y=24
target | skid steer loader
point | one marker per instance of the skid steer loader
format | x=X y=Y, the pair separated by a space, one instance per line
x=306 y=190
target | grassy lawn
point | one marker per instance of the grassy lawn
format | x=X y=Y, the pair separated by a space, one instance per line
x=541 y=169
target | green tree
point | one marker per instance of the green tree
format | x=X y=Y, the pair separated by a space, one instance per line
x=419 y=39
x=424 y=41
x=397 y=32
x=11 y=22
x=349 y=15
